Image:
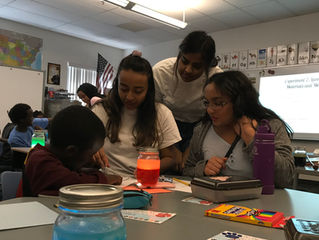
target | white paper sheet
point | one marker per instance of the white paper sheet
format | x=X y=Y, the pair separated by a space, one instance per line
x=19 y=215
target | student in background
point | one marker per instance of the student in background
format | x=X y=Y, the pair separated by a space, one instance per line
x=22 y=116
x=233 y=109
x=89 y=94
x=179 y=83
x=76 y=135
x=40 y=122
x=38 y=114
x=132 y=118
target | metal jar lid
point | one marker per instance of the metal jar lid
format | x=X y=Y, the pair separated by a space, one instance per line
x=90 y=196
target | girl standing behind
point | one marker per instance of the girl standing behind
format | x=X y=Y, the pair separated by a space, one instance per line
x=132 y=118
x=179 y=82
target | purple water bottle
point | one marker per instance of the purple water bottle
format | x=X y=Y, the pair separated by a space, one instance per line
x=264 y=157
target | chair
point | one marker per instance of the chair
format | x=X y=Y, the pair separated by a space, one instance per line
x=5 y=156
x=9 y=184
x=7 y=130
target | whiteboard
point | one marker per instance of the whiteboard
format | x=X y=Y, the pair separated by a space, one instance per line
x=19 y=85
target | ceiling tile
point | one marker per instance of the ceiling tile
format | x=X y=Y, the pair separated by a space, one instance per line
x=236 y=18
x=245 y=3
x=79 y=7
x=28 y=18
x=4 y=2
x=158 y=34
x=216 y=6
x=110 y=18
x=134 y=26
x=268 y=11
x=96 y=27
x=44 y=10
x=301 y=7
x=208 y=24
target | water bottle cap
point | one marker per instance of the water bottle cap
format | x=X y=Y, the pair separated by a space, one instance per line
x=90 y=196
x=264 y=131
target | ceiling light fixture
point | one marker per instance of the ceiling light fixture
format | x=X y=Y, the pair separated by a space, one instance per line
x=128 y=5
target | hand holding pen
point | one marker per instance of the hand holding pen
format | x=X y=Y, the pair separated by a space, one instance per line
x=214 y=165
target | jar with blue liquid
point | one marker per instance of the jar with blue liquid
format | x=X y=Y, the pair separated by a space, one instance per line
x=90 y=211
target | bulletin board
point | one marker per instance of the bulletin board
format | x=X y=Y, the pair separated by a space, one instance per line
x=19 y=85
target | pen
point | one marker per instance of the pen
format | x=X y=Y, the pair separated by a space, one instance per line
x=181 y=181
x=230 y=150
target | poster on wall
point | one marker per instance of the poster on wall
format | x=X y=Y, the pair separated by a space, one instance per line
x=243 y=58
x=54 y=73
x=281 y=55
x=226 y=61
x=303 y=53
x=20 y=50
x=314 y=52
x=219 y=60
x=252 y=58
x=271 y=56
x=292 y=50
x=234 y=60
x=262 y=57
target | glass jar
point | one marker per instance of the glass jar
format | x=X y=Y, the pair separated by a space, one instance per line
x=148 y=166
x=90 y=211
x=38 y=137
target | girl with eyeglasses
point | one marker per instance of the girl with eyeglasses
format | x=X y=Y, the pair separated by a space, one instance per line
x=233 y=110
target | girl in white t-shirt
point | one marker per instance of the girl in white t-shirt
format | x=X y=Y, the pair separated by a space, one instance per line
x=132 y=119
x=179 y=83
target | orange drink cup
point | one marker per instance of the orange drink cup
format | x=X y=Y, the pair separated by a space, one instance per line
x=148 y=167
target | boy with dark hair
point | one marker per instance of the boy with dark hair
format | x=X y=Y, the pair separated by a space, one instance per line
x=22 y=115
x=76 y=134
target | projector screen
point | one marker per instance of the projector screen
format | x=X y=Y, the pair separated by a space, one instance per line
x=295 y=98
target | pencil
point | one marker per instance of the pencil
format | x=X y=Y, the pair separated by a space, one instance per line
x=181 y=181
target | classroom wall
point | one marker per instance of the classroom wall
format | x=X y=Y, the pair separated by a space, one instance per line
x=60 y=49
x=290 y=30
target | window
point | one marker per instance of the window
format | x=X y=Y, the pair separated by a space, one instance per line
x=77 y=76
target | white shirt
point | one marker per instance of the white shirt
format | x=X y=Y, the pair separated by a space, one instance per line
x=238 y=162
x=123 y=155
x=184 y=99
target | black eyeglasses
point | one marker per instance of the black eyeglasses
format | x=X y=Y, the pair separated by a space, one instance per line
x=216 y=105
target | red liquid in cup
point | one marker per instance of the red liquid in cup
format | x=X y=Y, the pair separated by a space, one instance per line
x=148 y=171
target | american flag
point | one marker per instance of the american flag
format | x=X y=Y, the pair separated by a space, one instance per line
x=105 y=72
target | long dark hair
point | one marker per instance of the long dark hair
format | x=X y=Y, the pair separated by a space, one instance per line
x=199 y=42
x=244 y=97
x=89 y=90
x=144 y=130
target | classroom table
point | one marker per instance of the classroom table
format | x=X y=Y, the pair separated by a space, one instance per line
x=21 y=149
x=190 y=222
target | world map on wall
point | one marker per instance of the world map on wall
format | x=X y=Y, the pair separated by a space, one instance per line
x=20 y=50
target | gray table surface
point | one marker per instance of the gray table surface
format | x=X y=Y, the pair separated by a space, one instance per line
x=190 y=222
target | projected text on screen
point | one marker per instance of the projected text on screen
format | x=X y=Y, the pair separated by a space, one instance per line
x=295 y=98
